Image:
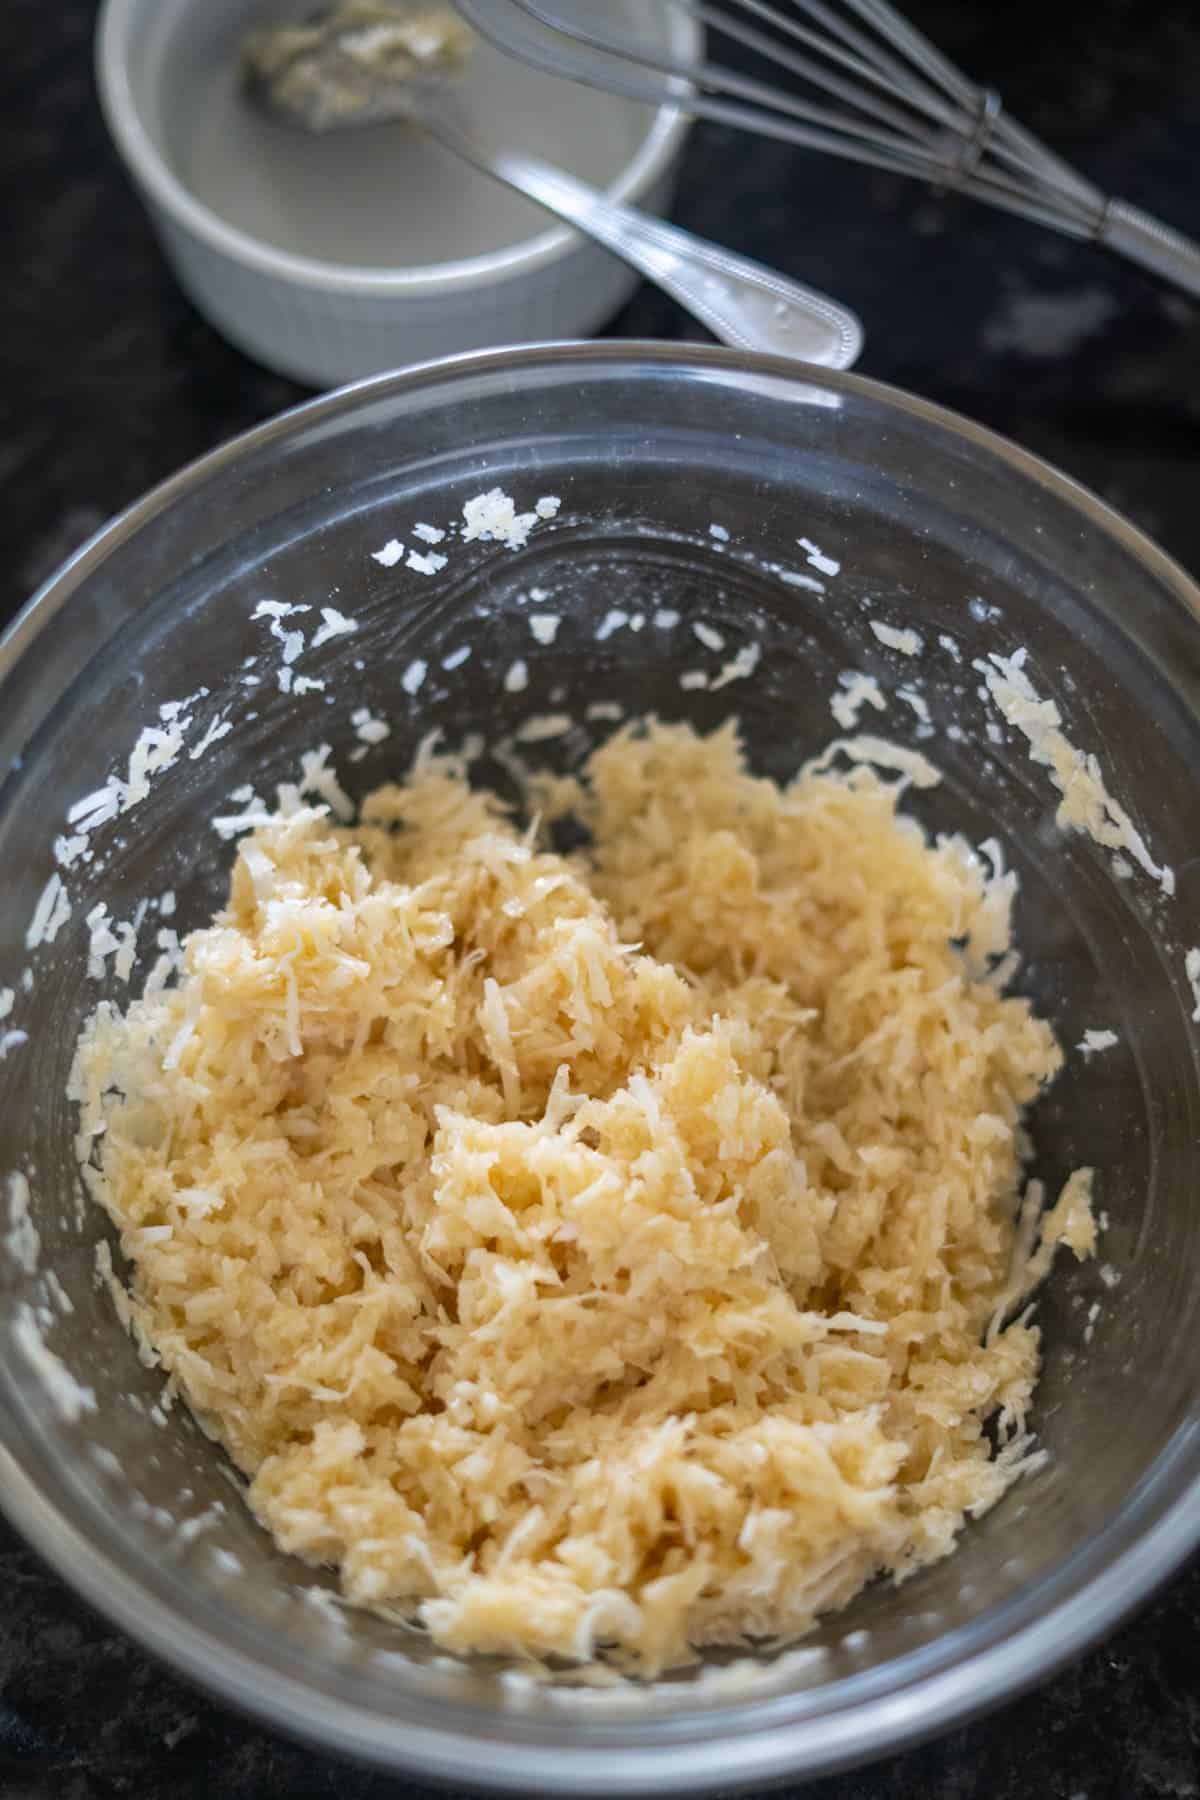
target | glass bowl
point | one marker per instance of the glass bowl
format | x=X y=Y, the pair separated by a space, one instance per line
x=687 y=480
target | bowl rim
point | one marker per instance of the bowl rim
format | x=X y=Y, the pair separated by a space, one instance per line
x=159 y=184
x=1035 y=1630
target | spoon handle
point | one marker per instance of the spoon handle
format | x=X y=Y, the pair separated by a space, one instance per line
x=741 y=302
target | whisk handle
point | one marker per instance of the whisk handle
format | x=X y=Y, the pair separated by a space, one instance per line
x=741 y=302
x=1156 y=246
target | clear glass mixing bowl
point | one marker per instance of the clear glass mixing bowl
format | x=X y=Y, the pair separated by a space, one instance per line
x=936 y=525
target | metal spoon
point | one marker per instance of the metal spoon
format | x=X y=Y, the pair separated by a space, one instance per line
x=364 y=62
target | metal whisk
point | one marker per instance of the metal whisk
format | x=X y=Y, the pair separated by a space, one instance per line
x=875 y=91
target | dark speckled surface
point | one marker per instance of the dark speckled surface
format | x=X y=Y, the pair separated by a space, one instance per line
x=109 y=381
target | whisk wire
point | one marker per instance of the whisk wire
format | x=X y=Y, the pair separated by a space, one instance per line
x=872 y=89
x=1007 y=140
x=748 y=102
x=708 y=79
x=971 y=120
x=885 y=68
x=853 y=53
x=895 y=29
x=806 y=67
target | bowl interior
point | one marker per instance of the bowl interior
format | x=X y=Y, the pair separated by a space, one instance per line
x=934 y=531
x=384 y=197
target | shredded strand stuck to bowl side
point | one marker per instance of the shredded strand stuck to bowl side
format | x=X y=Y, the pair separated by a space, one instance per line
x=615 y=1252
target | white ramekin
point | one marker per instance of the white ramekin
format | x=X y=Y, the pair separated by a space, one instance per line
x=324 y=323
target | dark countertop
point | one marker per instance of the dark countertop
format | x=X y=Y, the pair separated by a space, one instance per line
x=109 y=381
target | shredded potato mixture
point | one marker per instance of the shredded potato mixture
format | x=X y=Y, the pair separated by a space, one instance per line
x=615 y=1252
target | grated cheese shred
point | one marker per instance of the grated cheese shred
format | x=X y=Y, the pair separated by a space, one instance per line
x=607 y=1254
